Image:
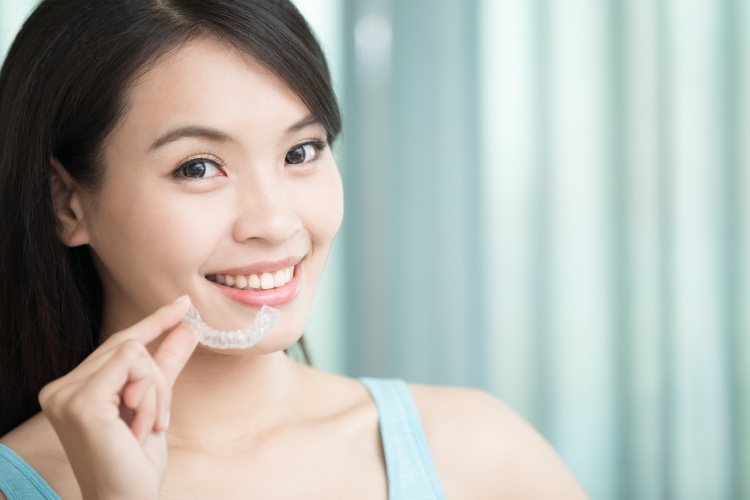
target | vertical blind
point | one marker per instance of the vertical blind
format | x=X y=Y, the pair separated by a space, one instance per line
x=549 y=200
x=616 y=231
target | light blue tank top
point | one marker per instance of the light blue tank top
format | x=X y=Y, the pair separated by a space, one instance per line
x=411 y=471
x=408 y=461
x=18 y=481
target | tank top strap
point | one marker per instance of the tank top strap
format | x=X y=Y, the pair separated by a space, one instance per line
x=18 y=481
x=409 y=465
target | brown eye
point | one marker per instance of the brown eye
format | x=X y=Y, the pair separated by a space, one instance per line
x=301 y=154
x=198 y=169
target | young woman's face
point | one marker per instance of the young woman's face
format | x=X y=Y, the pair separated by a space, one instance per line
x=218 y=173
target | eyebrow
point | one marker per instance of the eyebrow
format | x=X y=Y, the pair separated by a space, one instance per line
x=191 y=131
x=216 y=135
x=307 y=121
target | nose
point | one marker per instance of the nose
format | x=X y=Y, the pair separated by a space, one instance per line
x=265 y=211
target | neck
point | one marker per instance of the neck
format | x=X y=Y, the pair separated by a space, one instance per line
x=227 y=401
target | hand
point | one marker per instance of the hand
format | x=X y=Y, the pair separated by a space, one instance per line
x=111 y=411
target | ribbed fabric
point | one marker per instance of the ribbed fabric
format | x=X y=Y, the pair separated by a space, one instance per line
x=408 y=461
x=18 y=481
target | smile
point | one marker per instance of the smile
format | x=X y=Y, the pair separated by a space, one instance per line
x=271 y=283
x=263 y=281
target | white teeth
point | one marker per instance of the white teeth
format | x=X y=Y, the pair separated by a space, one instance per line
x=253 y=281
x=240 y=282
x=280 y=278
x=265 y=281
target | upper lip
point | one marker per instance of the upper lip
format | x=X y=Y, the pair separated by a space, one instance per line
x=269 y=266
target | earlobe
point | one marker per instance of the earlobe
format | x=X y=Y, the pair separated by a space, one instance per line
x=67 y=199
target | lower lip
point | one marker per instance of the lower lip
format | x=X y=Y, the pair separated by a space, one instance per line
x=259 y=298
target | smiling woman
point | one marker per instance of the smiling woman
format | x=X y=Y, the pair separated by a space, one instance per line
x=163 y=154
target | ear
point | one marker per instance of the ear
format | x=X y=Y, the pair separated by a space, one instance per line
x=67 y=197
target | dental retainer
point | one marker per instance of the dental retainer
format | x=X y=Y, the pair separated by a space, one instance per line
x=235 y=339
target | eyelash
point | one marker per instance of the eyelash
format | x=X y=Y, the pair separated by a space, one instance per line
x=320 y=144
x=200 y=158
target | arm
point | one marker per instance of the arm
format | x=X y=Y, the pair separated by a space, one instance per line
x=484 y=450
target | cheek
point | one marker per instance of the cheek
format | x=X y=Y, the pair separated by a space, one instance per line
x=320 y=205
x=141 y=236
x=179 y=228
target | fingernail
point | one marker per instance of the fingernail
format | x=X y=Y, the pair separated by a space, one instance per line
x=166 y=420
x=184 y=298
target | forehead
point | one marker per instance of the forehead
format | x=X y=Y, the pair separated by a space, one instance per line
x=210 y=83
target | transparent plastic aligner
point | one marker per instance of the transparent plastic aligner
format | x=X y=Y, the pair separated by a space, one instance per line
x=235 y=339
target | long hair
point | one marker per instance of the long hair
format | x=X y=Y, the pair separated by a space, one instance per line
x=62 y=91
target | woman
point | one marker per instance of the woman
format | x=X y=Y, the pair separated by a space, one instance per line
x=159 y=153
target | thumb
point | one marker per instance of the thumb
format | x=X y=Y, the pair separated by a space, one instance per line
x=174 y=352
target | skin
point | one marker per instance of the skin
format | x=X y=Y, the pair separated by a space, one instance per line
x=243 y=423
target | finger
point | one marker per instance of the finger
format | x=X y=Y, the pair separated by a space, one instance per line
x=146 y=330
x=54 y=397
x=144 y=415
x=95 y=362
x=131 y=362
x=133 y=393
x=159 y=322
x=174 y=351
x=163 y=396
x=171 y=357
x=89 y=366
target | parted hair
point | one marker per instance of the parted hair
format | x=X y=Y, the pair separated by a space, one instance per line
x=63 y=89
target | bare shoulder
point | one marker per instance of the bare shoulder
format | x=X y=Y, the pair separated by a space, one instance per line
x=37 y=444
x=483 y=449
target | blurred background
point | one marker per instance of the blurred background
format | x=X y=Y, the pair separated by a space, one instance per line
x=550 y=200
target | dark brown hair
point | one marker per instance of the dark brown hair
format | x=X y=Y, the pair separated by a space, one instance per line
x=62 y=91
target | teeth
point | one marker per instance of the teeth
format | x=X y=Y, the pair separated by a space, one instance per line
x=280 y=278
x=265 y=281
x=254 y=281
x=240 y=282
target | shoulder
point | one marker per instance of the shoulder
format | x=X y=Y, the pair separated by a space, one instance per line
x=37 y=444
x=483 y=449
x=34 y=440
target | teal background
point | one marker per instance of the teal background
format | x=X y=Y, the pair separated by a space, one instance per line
x=550 y=200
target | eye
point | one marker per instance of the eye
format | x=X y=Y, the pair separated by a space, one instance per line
x=198 y=168
x=304 y=153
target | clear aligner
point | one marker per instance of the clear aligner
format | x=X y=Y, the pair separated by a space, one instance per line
x=235 y=339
